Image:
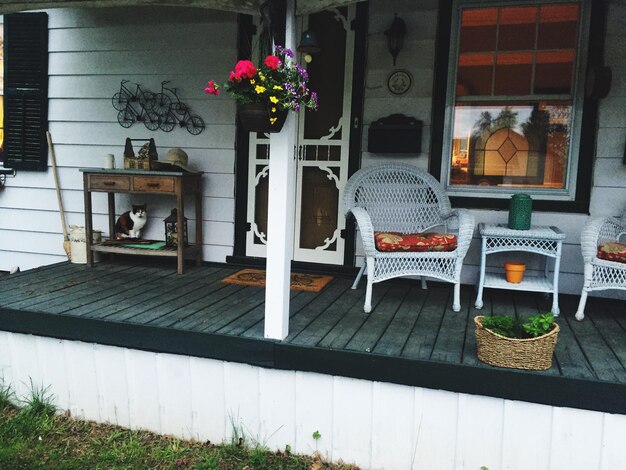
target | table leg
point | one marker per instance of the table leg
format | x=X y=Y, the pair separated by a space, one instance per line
x=481 y=280
x=88 y=221
x=180 y=230
x=199 y=225
x=111 y=198
x=555 y=293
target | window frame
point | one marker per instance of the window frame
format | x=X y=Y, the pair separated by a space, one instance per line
x=474 y=193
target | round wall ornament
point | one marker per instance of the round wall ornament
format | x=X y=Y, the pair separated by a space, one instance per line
x=399 y=82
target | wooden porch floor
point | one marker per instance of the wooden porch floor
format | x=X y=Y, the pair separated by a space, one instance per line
x=412 y=336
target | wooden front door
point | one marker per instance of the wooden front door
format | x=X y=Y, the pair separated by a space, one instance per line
x=322 y=151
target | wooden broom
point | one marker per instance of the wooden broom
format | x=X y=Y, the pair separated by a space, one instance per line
x=66 y=238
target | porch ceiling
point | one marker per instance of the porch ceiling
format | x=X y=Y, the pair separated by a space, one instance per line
x=239 y=6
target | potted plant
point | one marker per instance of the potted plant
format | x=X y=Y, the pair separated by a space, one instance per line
x=265 y=93
x=510 y=341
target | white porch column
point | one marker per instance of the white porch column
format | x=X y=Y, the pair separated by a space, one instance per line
x=281 y=212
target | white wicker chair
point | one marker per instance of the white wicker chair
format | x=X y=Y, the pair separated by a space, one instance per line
x=599 y=273
x=402 y=198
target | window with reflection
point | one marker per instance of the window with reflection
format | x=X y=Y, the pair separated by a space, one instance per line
x=514 y=96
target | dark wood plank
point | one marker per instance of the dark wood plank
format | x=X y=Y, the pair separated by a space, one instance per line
x=66 y=276
x=297 y=299
x=302 y=317
x=354 y=317
x=88 y=281
x=601 y=357
x=178 y=287
x=230 y=300
x=422 y=339
x=176 y=305
x=327 y=318
x=378 y=320
x=568 y=354
x=395 y=336
x=449 y=344
x=10 y=282
x=469 y=357
x=609 y=327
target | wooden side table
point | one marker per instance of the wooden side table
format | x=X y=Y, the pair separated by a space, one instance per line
x=543 y=240
x=173 y=183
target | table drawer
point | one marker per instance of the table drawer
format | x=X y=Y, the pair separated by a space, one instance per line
x=109 y=183
x=149 y=184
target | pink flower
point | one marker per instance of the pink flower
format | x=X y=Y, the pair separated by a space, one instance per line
x=245 y=69
x=272 y=62
x=234 y=77
x=212 y=89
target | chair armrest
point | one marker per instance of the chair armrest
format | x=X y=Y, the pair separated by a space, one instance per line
x=366 y=228
x=598 y=231
x=465 y=222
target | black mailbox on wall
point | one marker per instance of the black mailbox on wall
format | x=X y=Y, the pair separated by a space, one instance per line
x=396 y=133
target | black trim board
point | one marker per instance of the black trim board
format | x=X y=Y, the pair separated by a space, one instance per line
x=534 y=387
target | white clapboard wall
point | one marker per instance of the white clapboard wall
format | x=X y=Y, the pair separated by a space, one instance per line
x=608 y=197
x=90 y=52
x=373 y=424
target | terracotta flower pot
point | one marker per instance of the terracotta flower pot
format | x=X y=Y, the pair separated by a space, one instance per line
x=514 y=272
x=258 y=117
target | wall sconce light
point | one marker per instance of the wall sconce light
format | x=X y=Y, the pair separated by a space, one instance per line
x=395 y=36
x=308 y=45
x=171 y=231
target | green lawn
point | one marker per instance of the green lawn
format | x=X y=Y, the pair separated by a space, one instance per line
x=34 y=436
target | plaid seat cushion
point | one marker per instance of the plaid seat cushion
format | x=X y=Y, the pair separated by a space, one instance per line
x=612 y=251
x=394 y=241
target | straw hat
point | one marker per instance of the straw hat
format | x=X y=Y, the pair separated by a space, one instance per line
x=175 y=158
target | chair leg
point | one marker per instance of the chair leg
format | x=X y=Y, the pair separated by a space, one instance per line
x=424 y=286
x=367 y=308
x=358 y=276
x=456 y=304
x=580 y=313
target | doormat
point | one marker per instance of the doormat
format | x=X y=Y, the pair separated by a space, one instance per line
x=256 y=277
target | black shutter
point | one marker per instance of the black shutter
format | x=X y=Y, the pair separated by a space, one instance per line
x=26 y=91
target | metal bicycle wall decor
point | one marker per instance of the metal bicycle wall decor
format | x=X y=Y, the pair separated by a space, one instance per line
x=162 y=110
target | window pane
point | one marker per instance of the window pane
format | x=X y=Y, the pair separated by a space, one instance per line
x=509 y=144
x=475 y=74
x=558 y=26
x=478 y=29
x=553 y=72
x=513 y=73
x=517 y=28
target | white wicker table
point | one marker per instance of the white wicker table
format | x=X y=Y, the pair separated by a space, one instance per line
x=543 y=240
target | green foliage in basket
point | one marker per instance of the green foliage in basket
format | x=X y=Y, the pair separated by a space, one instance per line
x=516 y=327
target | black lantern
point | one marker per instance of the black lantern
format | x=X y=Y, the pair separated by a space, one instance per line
x=308 y=45
x=171 y=230
x=395 y=37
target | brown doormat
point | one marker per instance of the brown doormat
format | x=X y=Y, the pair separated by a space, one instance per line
x=256 y=277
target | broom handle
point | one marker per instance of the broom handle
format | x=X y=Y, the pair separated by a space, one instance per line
x=56 y=183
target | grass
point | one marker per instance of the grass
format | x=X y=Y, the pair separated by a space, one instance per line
x=33 y=436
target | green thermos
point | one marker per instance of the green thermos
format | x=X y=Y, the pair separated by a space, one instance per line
x=520 y=211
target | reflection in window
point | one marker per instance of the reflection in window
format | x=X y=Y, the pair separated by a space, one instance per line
x=514 y=95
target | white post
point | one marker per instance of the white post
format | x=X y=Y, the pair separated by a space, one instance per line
x=281 y=212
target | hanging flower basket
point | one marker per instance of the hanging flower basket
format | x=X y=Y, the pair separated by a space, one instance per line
x=258 y=117
x=529 y=353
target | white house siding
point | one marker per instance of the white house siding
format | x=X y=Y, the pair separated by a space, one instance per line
x=90 y=52
x=609 y=193
x=375 y=425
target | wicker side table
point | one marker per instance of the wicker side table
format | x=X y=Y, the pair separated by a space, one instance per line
x=543 y=240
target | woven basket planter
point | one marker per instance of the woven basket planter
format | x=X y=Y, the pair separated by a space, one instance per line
x=531 y=354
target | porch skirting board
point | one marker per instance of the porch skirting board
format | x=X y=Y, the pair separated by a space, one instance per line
x=373 y=424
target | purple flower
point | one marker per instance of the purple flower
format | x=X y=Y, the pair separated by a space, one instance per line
x=302 y=71
x=281 y=50
x=314 y=97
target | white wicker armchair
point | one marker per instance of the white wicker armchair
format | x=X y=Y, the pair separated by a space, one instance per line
x=403 y=198
x=599 y=273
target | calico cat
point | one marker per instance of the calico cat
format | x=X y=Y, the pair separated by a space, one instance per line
x=130 y=223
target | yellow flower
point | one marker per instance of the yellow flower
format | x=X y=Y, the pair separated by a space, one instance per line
x=276 y=87
x=259 y=89
x=262 y=77
x=252 y=82
x=273 y=120
x=273 y=109
x=273 y=99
